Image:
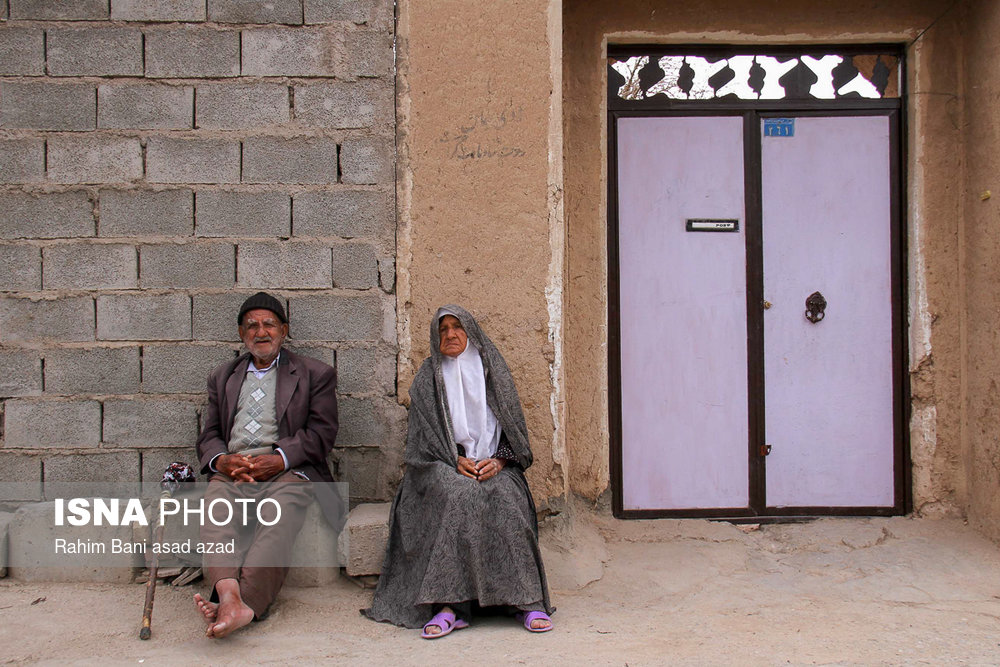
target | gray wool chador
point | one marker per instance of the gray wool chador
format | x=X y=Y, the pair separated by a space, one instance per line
x=453 y=539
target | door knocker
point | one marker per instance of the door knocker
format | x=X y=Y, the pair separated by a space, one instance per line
x=815 y=307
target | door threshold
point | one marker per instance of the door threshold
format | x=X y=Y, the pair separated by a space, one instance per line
x=800 y=518
x=769 y=519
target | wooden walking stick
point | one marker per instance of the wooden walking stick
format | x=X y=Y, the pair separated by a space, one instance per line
x=175 y=473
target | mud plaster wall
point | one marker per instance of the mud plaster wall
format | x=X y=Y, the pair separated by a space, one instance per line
x=934 y=279
x=931 y=31
x=479 y=131
x=981 y=246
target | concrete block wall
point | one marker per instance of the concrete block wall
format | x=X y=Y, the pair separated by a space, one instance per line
x=160 y=160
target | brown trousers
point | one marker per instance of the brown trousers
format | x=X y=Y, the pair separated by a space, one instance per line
x=263 y=553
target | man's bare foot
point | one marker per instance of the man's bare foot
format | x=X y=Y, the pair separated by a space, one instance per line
x=230 y=619
x=208 y=609
x=232 y=613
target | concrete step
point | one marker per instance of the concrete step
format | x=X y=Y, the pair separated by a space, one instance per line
x=5 y=519
x=363 y=539
x=33 y=554
x=316 y=561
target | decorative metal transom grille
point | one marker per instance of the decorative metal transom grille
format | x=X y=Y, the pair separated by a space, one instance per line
x=786 y=76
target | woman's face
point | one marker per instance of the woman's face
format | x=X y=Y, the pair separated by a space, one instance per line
x=453 y=337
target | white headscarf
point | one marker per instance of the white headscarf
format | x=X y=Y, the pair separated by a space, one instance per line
x=473 y=422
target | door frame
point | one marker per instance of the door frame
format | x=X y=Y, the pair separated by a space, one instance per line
x=752 y=111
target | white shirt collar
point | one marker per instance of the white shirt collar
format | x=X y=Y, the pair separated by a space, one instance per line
x=261 y=372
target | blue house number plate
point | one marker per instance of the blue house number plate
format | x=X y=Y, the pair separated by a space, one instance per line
x=779 y=127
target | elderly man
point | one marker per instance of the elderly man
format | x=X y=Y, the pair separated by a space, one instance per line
x=270 y=424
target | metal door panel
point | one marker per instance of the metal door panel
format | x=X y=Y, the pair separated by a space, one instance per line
x=828 y=386
x=682 y=314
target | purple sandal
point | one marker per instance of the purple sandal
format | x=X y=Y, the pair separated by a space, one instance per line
x=446 y=621
x=527 y=617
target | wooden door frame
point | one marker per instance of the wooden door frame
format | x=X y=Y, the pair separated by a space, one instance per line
x=752 y=112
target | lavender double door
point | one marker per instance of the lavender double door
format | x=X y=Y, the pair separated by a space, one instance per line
x=733 y=402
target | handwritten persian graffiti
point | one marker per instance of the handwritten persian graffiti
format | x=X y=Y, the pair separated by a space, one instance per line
x=758 y=77
x=481 y=136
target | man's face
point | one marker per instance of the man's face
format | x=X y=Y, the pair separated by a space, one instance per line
x=263 y=333
x=453 y=336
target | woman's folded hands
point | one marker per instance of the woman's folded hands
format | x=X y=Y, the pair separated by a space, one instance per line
x=480 y=470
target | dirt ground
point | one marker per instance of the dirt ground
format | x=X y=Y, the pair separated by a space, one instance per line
x=833 y=591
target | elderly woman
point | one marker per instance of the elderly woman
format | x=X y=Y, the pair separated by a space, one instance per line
x=463 y=532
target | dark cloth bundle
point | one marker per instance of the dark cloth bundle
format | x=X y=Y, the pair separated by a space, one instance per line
x=454 y=539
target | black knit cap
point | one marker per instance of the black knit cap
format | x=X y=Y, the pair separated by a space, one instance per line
x=265 y=301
